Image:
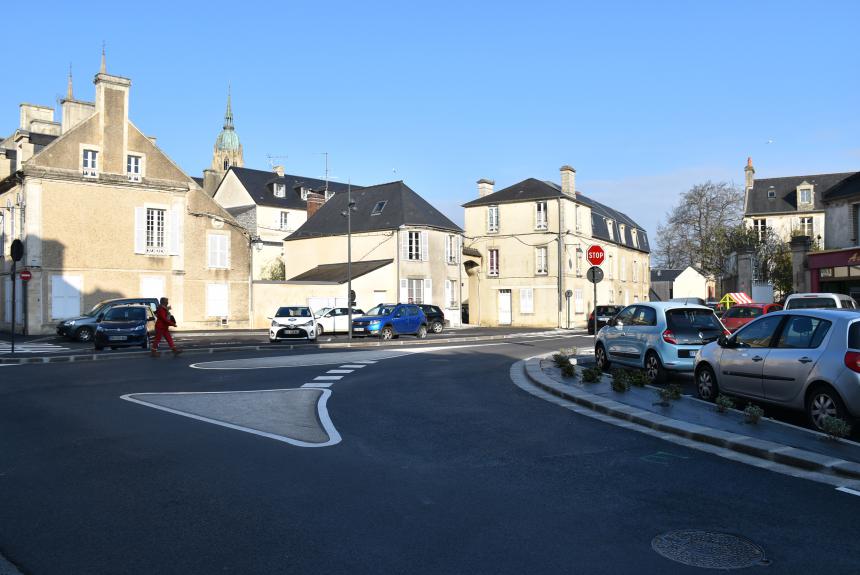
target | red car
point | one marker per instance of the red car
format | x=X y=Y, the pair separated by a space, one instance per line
x=739 y=315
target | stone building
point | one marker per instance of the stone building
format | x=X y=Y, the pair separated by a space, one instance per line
x=103 y=213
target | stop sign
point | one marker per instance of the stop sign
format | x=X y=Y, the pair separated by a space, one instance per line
x=595 y=255
x=26 y=275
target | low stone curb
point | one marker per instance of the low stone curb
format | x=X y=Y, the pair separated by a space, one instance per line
x=760 y=448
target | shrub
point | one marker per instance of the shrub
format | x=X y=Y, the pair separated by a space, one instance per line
x=560 y=359
x=591 y=374
x=835 y=427
x=674 y=391
x=753 y=413
x=620 y=382
x=568 y=369
x=619 y=375
x=637 y=378
x=724 y=403
x=664 y=396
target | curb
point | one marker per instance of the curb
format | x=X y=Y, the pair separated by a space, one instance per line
x=769 y=450
x=80 y=357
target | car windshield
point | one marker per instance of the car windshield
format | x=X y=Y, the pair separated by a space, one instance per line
x=692 y=319
x=811 y=302
x=293 y=312
x=322 y=311
x=380 y=310
x=97 y=309
x=126 y=314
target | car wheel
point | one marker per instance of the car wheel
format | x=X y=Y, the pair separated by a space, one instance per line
x=84 y=334
x=386 y=333
x=320 y=330
x=706 y=383
x=437 y=327
x=823 y=401
x=601 y=358
x=654 y=371
x=422 y=332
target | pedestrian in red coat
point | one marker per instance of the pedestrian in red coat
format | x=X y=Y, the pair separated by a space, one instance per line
x=163 y=322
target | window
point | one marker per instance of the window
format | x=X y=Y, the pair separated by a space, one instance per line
x=609 y=267
x=805 y=195
x=452 y=248
x=91 y=164
x=492 y=219
x=635 y=237
x=540 y=216
x=622 y=229
x=611 y=295
x=451 y=294
x=541 y=264
x=493 y=263
x=622 y=271
x=644 y=315
x=579 y=255
x=377 y=209
x=610 y=227
x=218 y=251
x=285 y=216
x=801 y=332
x=578 y=217
x=328 y=194
x=760 y=227
x=226 y=164
x=217 y=302
x=132 y=168
x=578 y=305
x=771 y=193
x=758 y=333
x=155 y=231
x=527 y=300
x=304 y=194
x=414 y=245
x=806 y=226
x=416 y=291
x=635 y=271
x=280 y=190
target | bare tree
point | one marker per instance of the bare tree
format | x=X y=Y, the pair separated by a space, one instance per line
x=699 y=230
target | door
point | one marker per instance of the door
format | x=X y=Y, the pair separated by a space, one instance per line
x=643 y=323
x=742 y=362
x=797 y=351
x=504 y=307
x=616 y=345
x=400 y=319
x=338 y=319
x=65 y=296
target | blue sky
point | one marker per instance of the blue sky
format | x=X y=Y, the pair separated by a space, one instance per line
x=644 y=99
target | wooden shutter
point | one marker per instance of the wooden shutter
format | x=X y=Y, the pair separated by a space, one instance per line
x=404 y=291
x=404 y=245
x=425 y=246
x=175 y=228
x=140 y=230
x=448 y=248
x=526 y=300
x=428 y=291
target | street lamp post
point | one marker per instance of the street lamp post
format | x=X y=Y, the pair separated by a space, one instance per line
x=347 y=213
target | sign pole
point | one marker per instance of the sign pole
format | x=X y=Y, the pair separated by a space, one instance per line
x=13 y=305
x=595 y=313
x=595 y=256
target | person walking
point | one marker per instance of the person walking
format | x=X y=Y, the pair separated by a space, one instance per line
x=163 y=322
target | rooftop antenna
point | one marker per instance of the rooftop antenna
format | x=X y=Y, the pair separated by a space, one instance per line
x=272 y=160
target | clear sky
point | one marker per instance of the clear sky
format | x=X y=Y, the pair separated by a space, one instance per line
x=643 y=98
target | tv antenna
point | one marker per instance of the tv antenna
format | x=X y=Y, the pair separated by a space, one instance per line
x=272 y=160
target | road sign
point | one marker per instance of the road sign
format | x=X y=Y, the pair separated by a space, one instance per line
x=595 y=255
x=26 y=275
x=16 y=250
x=594 y=275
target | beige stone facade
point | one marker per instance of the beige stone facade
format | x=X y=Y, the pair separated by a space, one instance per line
x=104 y=213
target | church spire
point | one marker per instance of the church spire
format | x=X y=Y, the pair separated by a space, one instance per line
x=228 y=116
x=69 y=95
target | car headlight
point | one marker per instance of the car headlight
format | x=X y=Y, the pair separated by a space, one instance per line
x=308 y=324
x=275 y=324
x=374 y=325
x=70 y=322
x=140 y=328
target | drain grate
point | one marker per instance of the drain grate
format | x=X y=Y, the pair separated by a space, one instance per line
x=708 y=549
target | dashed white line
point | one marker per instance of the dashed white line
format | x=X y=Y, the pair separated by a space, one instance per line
x=351 y=366
x=848 y=490
x=318 y=384
x=328 y=377
x=340 y=371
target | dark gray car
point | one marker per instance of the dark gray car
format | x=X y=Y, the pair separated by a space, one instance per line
x=83 y=328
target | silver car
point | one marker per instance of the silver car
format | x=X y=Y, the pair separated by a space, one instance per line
x=805 y=359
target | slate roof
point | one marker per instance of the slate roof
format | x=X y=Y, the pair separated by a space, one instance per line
x=665 y=275
x=471 y=252
x=336 y=273
x=532 y=189
x=403 y=207
x=850 y=186
x=41 y=139
x=259 y=184
x=785 y=192
x=198 y=180
x=245 y=215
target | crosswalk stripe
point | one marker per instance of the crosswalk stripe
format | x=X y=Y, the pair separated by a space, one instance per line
x=318 y=384
x=340 y=371
x=350 y=366
x=328 y=377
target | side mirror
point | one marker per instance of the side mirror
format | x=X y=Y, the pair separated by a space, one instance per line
x=724 y=341
x=618 y=323
x=100 y=317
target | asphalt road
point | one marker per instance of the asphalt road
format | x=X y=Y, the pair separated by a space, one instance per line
x=443 y=466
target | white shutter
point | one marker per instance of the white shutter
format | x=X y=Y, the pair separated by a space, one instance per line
x=577 y=300
x=226 y=244
x=425 y=246
x=140 y=230
x=459 y=249
x=448 y=248
x=428 y=291
x=217 y=300
x=404 y=245
x=526 y=300
x=7 y=312
x=175 y=216
x=404 y=291
x=65 y=296
x=449 y=294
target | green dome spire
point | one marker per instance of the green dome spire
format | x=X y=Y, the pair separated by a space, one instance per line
x=228 y=139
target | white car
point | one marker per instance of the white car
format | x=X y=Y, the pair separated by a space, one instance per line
x=336 y=319
x=819 y=301
x=293 y=322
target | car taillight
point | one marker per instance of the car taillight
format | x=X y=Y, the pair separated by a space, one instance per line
x=852 y=360
x=669 y=337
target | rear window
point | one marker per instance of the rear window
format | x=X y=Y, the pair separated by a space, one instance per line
x=692 y=319
x=848 y=304
x=811 y=303
x=854 y=335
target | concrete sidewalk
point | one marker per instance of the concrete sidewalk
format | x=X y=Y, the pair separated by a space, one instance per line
x=699 y=421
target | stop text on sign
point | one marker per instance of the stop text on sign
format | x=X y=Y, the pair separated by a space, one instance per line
x=595 y=255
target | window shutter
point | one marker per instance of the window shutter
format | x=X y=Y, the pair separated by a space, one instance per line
x=425 y=246
x=448 y=293
x=448 y=248
x=175 y=230
x=210 y=251
x=428 y=290
x=404 y=291
x=489 y=218
x=404 y=245
x=140 y=230
x=226 y=240
x=526 y=300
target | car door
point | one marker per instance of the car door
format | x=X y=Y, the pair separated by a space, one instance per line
x=796 y=352
x=637 y=331
x=616 y=345
x=400 y=319
x=415 y=318
x=339 y=317
x=742 y=360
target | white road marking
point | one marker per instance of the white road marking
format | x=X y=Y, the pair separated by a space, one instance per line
x=328 y=377
x=353 y=366
x=319 y=384
x=848 y=490
x=366 y=361
x=340 y=371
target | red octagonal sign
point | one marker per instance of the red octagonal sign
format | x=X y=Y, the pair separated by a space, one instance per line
x=26 y=275
x=595 y=255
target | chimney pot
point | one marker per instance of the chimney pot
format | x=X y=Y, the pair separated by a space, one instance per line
x=485 y=187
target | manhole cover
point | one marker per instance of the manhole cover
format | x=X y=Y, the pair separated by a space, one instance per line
x=709 y=550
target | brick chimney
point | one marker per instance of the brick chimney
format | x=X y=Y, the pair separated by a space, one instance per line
x=315 y=202
x=485 y=187
x=749 y=174
x=568 y=180
x=280 y=171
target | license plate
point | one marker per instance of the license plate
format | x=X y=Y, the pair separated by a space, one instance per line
x=291 y=331
x=118 y=338
x=358 y=329
x=687 y=353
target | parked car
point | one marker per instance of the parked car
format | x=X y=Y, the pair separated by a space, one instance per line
x=335 y=319
x=695 y=300
x=819 y=300
x=604 y=314
x=804 y=359
x=738 y=316
x=83 y=328
x=660 y=337
x=435 y=317
x=124 y=326
x=391 y=320
x=293 y=322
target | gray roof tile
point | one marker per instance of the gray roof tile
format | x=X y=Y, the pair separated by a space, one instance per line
x=337 y=273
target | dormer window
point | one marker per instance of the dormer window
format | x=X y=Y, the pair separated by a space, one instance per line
x=91 y=164
x=804 y=195
x=328 y=194
x=280 y=190
x=377 y=209
x=132 y=168
x=771 y=193
x=610 y=227
x=635 y=238
x=622 y=229
x=304 y=194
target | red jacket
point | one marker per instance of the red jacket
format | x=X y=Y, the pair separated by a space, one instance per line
x=163 y=319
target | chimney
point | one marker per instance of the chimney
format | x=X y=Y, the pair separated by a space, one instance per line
x=749 y=174
x=315 y=202
x=112 y=106
x=568 y=180
x=485 y=187
x=280 y=171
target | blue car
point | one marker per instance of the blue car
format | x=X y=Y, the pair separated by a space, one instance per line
x=123 y=326
x=388 y=321
x=659 y=337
